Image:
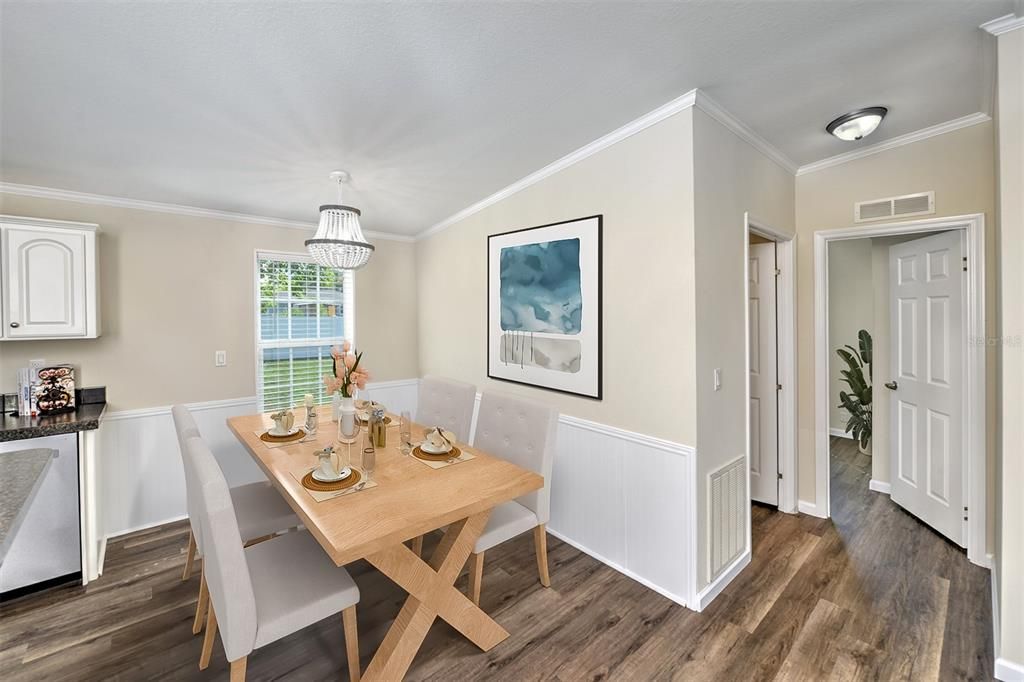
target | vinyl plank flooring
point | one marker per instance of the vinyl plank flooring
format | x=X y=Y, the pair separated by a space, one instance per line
x=871 y=594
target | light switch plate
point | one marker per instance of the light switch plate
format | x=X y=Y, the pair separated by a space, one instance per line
x=718 y=378
x=220 y=358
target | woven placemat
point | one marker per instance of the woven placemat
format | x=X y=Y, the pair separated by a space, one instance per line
x=454 y=453
x=267 y=437
x=309 y=482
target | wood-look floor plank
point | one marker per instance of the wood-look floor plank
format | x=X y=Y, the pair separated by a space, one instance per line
x=870 y=594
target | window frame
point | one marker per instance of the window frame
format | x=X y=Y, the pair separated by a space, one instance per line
x=347 y=302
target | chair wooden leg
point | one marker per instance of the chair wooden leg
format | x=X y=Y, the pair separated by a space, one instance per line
x=190 y=556
x=540 y=543
x=417 y=545
x=476 y=575
x=348 y=617
x=201 y=603
x=211 y=634
x=238 y=669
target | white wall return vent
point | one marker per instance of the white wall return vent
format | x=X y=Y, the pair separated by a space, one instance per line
x=904 y=206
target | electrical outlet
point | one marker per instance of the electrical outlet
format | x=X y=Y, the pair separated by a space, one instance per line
x=220 y=358
x=718 y=378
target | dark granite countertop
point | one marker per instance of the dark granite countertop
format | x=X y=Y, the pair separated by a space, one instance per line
x=85 y=418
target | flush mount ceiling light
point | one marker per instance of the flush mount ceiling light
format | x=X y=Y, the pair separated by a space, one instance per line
x=857 y=124
x=339 y=242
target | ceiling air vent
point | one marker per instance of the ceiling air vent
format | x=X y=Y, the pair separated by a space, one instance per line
x=894 y=207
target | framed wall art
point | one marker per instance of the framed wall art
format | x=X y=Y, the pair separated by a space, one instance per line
x=544 y=306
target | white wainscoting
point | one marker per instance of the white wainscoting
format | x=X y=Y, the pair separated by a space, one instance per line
x=624 y=498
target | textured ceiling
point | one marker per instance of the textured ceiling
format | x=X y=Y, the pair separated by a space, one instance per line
x=245 y=107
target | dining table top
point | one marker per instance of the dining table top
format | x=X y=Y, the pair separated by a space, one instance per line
x=410 y=498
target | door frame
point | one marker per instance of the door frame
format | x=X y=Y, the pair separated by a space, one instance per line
x=785 y=313
x=975 y=450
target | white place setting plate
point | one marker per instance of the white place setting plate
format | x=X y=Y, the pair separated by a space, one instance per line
x=431 y=449
x=283 y=434
x=342 y=475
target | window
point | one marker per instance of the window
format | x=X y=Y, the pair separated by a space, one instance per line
x=303 y=310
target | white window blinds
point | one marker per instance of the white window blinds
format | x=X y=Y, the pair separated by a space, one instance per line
x=302 y=310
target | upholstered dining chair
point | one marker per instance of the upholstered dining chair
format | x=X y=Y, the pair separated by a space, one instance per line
x=446 y=403
x=260 y=509
x=261 y=593
x=524 y=433
x=449 y=404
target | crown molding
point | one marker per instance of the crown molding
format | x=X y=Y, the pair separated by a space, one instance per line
x=741 y=129
x=176 y=209
x=916 y=136
x=692 y=98
x=681 y=103
x=1003 y=24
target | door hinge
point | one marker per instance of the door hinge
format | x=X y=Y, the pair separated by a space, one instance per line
x=780 y=475
x=778 y=387
x=965 y=513
x=965 y=263
x=777 y=272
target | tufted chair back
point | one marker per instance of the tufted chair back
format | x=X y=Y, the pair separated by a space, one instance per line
x=524 y=433
x=224 y=565
x=447 y=403
x=186 y=428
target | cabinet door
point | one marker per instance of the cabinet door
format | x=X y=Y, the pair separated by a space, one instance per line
x=46 y=283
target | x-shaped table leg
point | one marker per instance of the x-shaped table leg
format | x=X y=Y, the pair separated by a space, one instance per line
x=431 y=594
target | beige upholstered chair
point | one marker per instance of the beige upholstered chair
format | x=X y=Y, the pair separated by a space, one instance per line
x=267 y=591
x=524 y=433
x=260 y=509
x=446 y=403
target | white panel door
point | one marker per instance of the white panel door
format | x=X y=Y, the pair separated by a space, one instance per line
x=926 y=312
x=46 y=283
x=764 y=398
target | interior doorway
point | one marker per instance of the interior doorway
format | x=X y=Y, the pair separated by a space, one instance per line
x=911 y=370
x=770 y=287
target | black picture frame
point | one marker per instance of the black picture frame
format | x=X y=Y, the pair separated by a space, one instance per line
x=599 y=394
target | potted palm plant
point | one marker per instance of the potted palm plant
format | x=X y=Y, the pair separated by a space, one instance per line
x=857 y=401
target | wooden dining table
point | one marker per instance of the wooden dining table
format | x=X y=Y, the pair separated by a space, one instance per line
x=374 y=523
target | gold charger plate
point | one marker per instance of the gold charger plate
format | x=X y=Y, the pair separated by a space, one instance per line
x=309 y=482
x=454 y=453
x=267 y=437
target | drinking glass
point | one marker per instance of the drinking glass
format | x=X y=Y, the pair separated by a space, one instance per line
x=405 y=432
x=369 y=454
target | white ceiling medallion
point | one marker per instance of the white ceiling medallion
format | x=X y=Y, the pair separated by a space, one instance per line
x=339 y=242
x=858 y=124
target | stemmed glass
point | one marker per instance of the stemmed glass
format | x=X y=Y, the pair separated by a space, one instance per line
x=405 y=432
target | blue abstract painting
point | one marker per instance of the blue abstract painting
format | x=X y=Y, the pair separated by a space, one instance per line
x=540 y=287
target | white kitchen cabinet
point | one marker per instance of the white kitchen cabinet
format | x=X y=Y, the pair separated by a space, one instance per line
x=48 y=279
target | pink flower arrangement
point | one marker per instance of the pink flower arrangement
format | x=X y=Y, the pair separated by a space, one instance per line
x=348 y=374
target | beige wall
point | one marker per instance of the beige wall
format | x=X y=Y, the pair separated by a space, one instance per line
x=850 y=308
x=730 y=178
x=1010 y=515
x=643 y=187
x=960 y=168
x=174 y=289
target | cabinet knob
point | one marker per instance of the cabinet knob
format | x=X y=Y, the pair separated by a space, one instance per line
x=15 y=325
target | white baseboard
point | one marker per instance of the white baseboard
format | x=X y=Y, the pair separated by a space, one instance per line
x=1008 y=671
x=839 y=433
x=880 y=486
x=811 y=509
x=708 y=594
x=621 y=569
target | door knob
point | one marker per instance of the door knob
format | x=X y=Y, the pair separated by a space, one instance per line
x=891 y=385
x=15 y=325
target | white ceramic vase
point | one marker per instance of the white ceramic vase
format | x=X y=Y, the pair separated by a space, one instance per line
x=336 y=407
x=347 y=429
